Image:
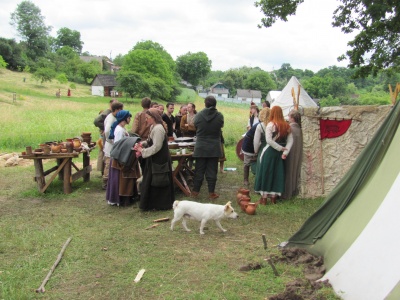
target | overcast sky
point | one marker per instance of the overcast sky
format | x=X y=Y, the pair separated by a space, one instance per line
x=226 y=30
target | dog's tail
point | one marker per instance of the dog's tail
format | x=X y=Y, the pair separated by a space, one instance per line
x=176 y=202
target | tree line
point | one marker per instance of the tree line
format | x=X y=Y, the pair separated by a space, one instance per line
x=149 y=70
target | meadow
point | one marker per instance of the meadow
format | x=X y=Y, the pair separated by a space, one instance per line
x=111 y=244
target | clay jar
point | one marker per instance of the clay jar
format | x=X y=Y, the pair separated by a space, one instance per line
x=238 y=197
x=55 y=148
x=251 y=208
x=243 y=202
x=77 y=143
x=244 y=191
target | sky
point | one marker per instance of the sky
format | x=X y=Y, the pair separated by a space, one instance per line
x=226 y=30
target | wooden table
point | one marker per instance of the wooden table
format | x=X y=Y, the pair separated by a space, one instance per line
x=63 y=169
x=177 y=174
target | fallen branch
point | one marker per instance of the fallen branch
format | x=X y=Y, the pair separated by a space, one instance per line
x=161 y=220
x=272 y=266
x=41 y=288
x=152 y=226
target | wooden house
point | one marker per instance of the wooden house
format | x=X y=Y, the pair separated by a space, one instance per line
x=249 y=96
x=104 y=85
x=219 y=90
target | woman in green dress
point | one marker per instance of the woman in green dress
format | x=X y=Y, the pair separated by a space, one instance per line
x=270 y=176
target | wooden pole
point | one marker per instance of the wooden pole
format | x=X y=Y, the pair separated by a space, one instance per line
x=41 y=287
x=322 y=168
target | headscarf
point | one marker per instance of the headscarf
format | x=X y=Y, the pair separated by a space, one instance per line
x=156 y=115
x=122 y=115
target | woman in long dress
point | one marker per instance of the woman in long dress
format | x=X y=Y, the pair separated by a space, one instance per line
x=259 y=141
x=187 y=122
x=114 y=194
x=293 y=161
x=270 y=177
x=157 y=187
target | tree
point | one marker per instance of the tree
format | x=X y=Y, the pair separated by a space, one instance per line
x=44 y=74
x=376 y=45
x=30 y=24
x=260 y=81
x=12 y=54
x=193 y=66
x=68 y=37
x=89 y=70
x=150 y=45
x=131 y=82
x=3 y=63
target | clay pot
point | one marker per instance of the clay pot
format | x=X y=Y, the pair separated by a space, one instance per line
x=244 y=191
x=55 y=148
x=64 y=150
x=238 y=196
x=77 y=143
x=46 y=150
x=250 y=208
x=243 y=202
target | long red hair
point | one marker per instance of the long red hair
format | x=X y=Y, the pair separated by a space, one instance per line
x=276 y=117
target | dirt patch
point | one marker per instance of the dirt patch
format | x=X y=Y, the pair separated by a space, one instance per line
x=308 y=287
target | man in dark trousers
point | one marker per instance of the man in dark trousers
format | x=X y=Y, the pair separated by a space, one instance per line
x=209 y=123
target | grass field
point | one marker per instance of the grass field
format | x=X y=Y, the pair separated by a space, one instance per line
x=110 y=244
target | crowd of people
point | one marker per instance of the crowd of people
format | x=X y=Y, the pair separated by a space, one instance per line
x=136 y=163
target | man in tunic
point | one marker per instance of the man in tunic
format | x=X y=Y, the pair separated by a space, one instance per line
x=208 y=123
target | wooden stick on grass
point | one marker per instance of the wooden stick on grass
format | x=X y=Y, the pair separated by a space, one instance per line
x=41 y=288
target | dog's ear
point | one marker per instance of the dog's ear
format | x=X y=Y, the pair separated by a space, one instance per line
x=228 y=205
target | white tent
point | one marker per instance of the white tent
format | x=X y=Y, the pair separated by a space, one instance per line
x=272 y=95
x=293 y=91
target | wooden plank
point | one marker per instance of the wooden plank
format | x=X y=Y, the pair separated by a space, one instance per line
x=45 y=173
x=60 y=167
x=81 y=173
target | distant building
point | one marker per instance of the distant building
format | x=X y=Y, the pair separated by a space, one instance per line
x=249 y=96
x=104 y=85
x=218 y=90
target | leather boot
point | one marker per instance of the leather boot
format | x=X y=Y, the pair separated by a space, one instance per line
x=273 y=199
x=246 y=172
x=262 y=201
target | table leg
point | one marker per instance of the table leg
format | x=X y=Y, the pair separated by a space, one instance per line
x=60 y=174
x=175 y=175
x=67 y=176
x=86 y=163
x=39 y=176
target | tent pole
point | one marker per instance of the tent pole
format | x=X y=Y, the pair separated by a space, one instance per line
x=322 y=168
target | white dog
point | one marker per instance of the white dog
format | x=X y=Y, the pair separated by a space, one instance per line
x=201 y=212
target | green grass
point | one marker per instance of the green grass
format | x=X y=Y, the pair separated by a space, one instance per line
x=110 y=244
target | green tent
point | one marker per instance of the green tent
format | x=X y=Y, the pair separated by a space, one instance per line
x=357 y=227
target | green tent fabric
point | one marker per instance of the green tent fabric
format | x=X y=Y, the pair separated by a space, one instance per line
x=343 y=194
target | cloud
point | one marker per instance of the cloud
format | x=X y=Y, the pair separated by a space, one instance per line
x=226 y=30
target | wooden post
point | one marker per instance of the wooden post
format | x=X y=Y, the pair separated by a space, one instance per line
x=67 y=176
x=86 y=163
x=322 y=168
x=39 y=176
x=60 y=174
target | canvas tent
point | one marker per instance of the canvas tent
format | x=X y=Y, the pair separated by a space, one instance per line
x=285 y=98
x=357 y=227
